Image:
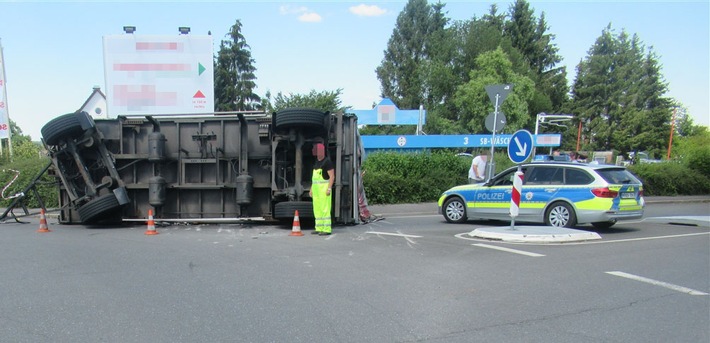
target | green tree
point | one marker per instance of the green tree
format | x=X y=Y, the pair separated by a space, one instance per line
x=531 y=37
x=324 y=101
x=694 y=150
x=22 y=146
x=408 y=58
x=619 y=96
x=469 y=39
x=473 y=103
x=235 y=74
x=684 y=124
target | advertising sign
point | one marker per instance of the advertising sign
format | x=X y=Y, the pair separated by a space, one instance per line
x=151 y=74
x=4 y=116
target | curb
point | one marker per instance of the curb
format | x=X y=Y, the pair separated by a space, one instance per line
x=534 y=234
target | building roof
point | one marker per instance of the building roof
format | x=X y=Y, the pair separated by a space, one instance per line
x=97 y=92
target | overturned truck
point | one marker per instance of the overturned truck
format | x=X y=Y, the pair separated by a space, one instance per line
x=220 y=167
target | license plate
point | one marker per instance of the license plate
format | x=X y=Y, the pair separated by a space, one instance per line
x=628 y=195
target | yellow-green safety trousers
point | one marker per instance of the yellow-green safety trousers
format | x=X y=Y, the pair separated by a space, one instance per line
x=321 y=201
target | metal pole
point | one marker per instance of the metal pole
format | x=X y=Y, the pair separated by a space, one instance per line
x=3 y=97
x=579 y=134
x=670 y=140
x=537 y=121
x=419 y=124
x=492 y=164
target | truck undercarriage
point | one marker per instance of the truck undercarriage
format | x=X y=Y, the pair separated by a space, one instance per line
x=226 y=167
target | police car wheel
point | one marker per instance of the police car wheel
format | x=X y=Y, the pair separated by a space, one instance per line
x=560 y=214
x=455 y=210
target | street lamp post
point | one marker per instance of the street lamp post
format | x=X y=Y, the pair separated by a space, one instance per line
x=554 y=119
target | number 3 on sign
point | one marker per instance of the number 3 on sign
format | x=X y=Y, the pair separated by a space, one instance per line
x=465 y=141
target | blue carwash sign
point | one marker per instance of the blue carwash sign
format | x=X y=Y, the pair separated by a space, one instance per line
x=373 y=142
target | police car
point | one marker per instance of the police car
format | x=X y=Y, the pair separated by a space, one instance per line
x=561 y=194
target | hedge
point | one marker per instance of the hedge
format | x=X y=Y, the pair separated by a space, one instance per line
x=392 y=178
x=47 y=187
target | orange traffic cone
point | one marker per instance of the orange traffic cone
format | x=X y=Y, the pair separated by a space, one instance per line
x=43 y=222
x=151 y=224
x=296 y=229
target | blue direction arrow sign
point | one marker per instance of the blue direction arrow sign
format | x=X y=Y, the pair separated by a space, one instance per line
x=520 y=146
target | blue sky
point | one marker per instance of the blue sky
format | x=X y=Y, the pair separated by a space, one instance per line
x=53 y=50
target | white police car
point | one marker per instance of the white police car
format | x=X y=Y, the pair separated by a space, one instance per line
x=554 y=193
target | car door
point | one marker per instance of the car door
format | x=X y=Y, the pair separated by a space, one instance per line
x=541 y=185
x=492 y=201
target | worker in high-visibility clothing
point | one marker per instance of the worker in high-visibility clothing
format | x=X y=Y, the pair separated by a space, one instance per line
x=321 y=190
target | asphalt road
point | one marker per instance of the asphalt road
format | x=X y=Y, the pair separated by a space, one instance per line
x=408 y=278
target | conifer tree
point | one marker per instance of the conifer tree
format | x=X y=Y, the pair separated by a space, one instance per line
x=235 y=74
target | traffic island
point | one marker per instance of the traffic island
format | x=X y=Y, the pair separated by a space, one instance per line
x=534 y=234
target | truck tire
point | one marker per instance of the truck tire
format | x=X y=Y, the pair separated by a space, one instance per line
x=99 y=208
x=287 y=209
x=66 y=126
x=300 y=118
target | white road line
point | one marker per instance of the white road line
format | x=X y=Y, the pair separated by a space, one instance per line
x=401 y=215
x=648 y=238
x=393 y=234
x=514 y=251
x=658 y=283
x=463 y=236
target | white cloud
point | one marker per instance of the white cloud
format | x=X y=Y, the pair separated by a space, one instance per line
x=310 y=17
x=304 y=14
x=288 y=9
x=367 y=11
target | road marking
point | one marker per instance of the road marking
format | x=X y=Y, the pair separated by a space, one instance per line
x=393 y=234
x=463 y=236
x=648 y=238
x=658 y=283
x=403 y=215
x=514 y=251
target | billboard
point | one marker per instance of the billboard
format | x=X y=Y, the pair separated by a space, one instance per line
x=158 y=74
x=4 y=116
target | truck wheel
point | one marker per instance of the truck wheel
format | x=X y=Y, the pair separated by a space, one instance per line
x=66 y=126
x=302 y=118
x=99 y=208
x=287 y=209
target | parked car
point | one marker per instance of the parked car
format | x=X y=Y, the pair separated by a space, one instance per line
x=642 y=157
x=562 y=194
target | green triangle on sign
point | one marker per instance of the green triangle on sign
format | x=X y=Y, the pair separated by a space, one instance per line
x=200 y=68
